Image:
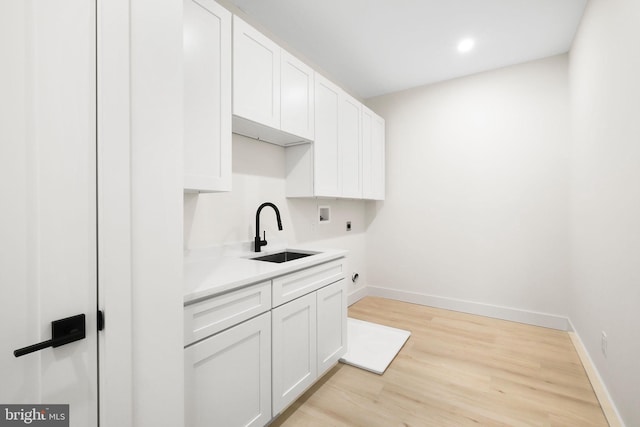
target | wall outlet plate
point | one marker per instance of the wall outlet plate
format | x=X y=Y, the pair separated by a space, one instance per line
x=604 y=343
x=348 y=225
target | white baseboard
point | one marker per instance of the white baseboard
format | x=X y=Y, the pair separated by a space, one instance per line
x=499 y=312
x=602 y=393
x=357 y=295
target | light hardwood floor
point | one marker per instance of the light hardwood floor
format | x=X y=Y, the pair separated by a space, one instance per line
x=456 y=369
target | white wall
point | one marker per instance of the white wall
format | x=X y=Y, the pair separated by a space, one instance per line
x=259 y=176
x=605 y=189
x=477 y=191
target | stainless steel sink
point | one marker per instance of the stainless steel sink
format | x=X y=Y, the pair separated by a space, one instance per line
x=284 y=256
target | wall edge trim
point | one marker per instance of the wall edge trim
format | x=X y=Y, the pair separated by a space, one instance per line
x=609 y=408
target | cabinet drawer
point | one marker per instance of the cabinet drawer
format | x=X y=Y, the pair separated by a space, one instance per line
x=294 y=285
x=213 y=315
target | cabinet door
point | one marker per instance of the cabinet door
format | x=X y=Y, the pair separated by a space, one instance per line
x=367 y=155
x=296 y=97
x=207 y=96
x=373 y=155
x=350 y=143
x=228 y=377
x=378 y=157
x=208 y=317
x=327 y=173
x=256 y=75
x=332 y=325
x=294 y=350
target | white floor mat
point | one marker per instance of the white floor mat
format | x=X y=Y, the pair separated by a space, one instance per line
x=372 y=346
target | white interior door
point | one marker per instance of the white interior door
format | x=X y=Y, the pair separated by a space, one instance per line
x=48 y=192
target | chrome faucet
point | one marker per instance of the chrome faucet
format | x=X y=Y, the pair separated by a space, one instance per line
x=258 y=242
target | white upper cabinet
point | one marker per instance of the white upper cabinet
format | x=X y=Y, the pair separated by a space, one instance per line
x=207 y=96
x=296 y=97
x=313 y=170
x=347 y=157
x=279 y=99
x=256 y=75
x=350 y=143
x=373 y=155
x=272 y=90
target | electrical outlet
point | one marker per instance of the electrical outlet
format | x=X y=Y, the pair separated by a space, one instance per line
x=348 y=225
x=603 y=343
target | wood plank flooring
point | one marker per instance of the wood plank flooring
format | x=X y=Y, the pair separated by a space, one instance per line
x=456 y=369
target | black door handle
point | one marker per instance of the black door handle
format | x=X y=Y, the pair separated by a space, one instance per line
x=63 y=331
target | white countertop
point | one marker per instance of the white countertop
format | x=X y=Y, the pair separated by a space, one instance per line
x=209 y=272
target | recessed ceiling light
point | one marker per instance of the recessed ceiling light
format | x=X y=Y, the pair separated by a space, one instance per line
x=465 y=45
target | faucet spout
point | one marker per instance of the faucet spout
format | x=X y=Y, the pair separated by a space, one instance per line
x=257 y=241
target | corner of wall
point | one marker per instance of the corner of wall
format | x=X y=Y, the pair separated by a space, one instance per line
x=357 y=295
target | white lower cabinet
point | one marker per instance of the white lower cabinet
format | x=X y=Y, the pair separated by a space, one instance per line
x=309 y=337
x=228 y=377
x=294 y=350
x=251 y=352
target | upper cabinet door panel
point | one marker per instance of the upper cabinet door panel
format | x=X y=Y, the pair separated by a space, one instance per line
x=256 y=76
x=296 y=97
x=327 y=171
x=367 y=155
x=378 y=157
x=207 y=96
x=373 y=155
x=350 y=142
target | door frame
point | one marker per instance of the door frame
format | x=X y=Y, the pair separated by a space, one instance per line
x=140 y=208
x=115 y=343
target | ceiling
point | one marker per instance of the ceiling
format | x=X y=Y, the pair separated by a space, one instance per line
x=374 y=47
